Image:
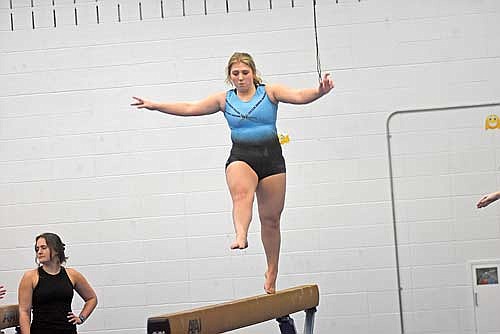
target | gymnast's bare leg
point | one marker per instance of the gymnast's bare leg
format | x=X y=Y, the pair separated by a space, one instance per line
x=242 y=182
x=271 y=200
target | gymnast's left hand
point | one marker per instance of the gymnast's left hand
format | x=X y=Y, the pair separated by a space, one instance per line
x=326 y=84
x=74 y=319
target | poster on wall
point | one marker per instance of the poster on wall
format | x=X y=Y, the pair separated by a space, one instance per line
x=487 y=276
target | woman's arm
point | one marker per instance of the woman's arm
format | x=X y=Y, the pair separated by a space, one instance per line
x=83 y=288
x=488 y=199
x=208 y=105
x=25 y=296
x=301 y=96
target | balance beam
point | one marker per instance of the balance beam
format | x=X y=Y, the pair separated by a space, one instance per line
x=236 y=314
x=9 y=316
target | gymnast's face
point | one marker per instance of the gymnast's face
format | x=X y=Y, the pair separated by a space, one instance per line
x=242 y=76
x=43 y=252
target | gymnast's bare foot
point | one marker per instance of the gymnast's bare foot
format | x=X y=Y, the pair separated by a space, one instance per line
x=240 y=243
x=270 y=284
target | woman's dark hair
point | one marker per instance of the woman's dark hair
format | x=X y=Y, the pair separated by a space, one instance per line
x=55 y=244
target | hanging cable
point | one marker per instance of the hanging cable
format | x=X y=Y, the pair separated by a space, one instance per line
x=318 y=62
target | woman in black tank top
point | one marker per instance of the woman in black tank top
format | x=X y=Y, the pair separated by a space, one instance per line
x=48 y=292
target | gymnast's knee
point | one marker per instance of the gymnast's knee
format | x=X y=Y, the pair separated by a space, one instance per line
x=270 y=221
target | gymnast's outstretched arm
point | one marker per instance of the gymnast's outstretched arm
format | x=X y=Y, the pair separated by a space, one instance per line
x=206 y=106
x=285 y=94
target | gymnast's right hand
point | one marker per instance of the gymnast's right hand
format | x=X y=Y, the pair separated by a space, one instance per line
x=143 y=104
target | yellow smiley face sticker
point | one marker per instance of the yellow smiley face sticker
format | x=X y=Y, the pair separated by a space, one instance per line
x=284 y=138
x=492 y=122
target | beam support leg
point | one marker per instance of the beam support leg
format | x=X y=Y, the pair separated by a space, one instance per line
x=287 y=325
x=309 y=322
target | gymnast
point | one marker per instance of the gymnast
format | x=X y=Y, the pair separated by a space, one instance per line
x=255 y=164
x=48 y=291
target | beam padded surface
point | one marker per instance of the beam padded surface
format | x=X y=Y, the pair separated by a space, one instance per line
x=9 y=316
x=235 y=314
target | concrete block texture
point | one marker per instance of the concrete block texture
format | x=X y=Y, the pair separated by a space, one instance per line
x=140 y=197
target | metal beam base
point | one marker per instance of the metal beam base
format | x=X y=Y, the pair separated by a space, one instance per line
x=287 y=325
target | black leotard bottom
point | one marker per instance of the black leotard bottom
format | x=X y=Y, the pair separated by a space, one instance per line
x=264 y=159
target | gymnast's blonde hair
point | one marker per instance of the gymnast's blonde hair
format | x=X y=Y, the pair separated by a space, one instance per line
x=245 y=58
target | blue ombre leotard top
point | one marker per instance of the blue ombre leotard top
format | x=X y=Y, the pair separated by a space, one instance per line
x=252 y=122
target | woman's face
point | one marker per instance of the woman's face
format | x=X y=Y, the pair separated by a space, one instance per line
x=42 y=251
x=241 y=76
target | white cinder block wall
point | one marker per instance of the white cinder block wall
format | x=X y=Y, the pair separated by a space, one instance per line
x=140 y=197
